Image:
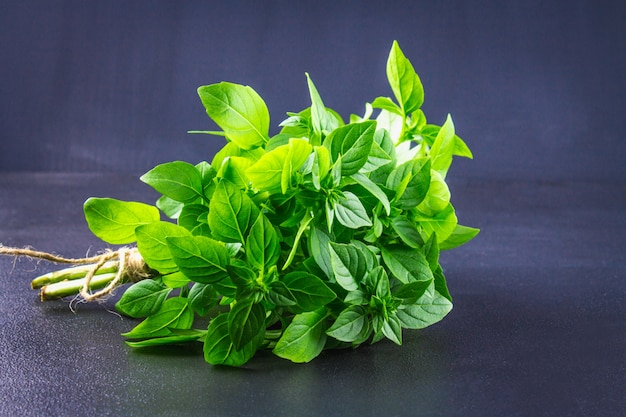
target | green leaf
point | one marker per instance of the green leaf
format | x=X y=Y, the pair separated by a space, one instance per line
x=200 y=258
x=443 y=149
x=175 y=280
x=231 y=213
x=459 y=236
x=411 y=181
x=245 y=320
x=320 y=250
x=351 y=325
x=177 y=180
x=173 y=314
x=233 y=169
x=304 y=338
x=309 y=292
x=428 y=310
x=443 y=224
x=219 y=349
x=202 y=298
x=407 y=231
x=239 y=111
x=349 y=265
x=322 y=120
x=406 y=264
x=411 y=292
x=153 y=247
x=350 y=212
x=167 y=340
x=438 y=195
x=321 y=165
x=273 y=170
x=115 y=221
x=374 y=189
x=386 y=103
x=262 y=244
x=195 y=218
x=404 y=82
x=392 y=329
x=353 y=142
x=142 y=299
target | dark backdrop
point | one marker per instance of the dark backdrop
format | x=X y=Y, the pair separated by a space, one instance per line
x=536 y=88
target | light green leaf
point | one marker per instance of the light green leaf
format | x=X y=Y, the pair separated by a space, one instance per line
x=438 y=195
x=177 y=180
x=411 y=181
x=239 y=111
x=404 y=82
x=195 y=218
x=460 y=235
x=385 y=103
x=231 y=213
x=443 y=149
x=322 y=120
x=153 y=247
x=304 y=338
x=392 y=329
x=115 y=221
x=443 y=224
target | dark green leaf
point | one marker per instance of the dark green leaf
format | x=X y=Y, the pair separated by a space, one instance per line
x=406 y=264
x=262 y=244
x=309 y=292
x=350 y=212
x=245 y=320
x=200 y=258
x=351 y=325
x=349 y=265
x=202 y=297
x=173 y=314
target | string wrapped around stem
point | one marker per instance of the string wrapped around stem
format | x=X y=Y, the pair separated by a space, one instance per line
x=104 y=272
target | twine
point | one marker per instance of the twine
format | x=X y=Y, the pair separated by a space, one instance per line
x=131 y=267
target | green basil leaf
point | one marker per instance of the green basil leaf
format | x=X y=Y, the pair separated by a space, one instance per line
x=407 y=231
x=322 y=120
x=153 y=247
x=443 y=149
x=459 y=236
x=351 y=325
x=321 y=165
x=262 y=244
x=171 y=208
x=392 y=329
x=309 y=292
x=374 y=189
x=200 y=258
x=173 y=314
x=406 y=264
x=239 y=111
x=142 y=299
x=349 y=265
x=219 y=349
x=304 y=338
x=427 y=310
x=231 y=213
x=353 y=142
x=167 y=340
x=245 y=320
x=411 y=292
x=438 y=195
x=320 y=250
x=175 y=280
x=233 y=169
x=177 y=180
x=115 y=221
x=443 y=224
x=411 y=181
x=404 y=82
x=386 y=103
x=202 y=298
x=350 y=212
x=195 y=218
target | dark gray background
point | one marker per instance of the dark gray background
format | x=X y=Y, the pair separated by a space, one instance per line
x=536 y=88
x=93 y=94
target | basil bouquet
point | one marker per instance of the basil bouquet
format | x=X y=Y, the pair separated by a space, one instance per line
x=326 y=235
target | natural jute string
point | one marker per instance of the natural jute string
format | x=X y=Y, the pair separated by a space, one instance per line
x=131 y=267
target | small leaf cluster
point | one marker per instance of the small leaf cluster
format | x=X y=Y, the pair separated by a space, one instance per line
x=325 y=235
